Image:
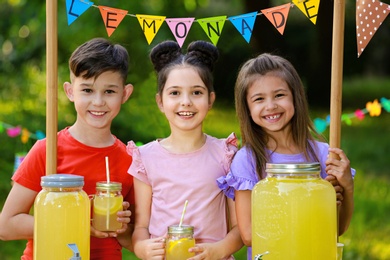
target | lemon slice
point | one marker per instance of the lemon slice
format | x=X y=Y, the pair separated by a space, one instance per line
x=178 y=249
x=103 y=204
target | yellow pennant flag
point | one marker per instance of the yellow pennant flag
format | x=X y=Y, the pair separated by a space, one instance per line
x=25 y=135
x=309 y=8
x=213 y=27
x=150 y=25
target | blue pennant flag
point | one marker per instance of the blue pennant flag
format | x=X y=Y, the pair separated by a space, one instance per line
x=244 y=24
x=75 y=8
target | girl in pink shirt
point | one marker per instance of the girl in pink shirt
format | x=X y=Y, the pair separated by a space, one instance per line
x=184 y=165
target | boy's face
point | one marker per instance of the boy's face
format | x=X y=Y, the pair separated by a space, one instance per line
x=97 y=100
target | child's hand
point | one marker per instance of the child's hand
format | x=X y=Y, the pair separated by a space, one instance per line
x=153 y=248
x=339 y=190
x=340 y=169
x=124 y=217
x=204 y=251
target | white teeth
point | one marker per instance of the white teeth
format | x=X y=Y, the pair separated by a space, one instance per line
x=97 y=113
x=186 y=114
x=272 y=117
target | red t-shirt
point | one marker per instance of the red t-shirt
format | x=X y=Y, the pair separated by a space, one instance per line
x=74 y=157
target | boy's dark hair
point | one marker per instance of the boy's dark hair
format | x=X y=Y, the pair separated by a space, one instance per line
x=99 y=55
x=200 y=55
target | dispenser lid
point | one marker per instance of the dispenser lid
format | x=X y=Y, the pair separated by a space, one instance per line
x=61 y=180
x=293 y=167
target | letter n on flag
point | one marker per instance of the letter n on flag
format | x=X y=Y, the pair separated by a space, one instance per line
x=180 y=28
x=278 y=16
x=244 y=24
x=150 y=25
x=213 y=27
x=112 y=17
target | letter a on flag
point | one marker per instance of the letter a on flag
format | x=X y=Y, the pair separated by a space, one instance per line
x=213 y=27
x=75 y=8
x=112 y=17
x=180 y=28
x=150 y=25
x=244 y=24
x=278 y=16
x=308 y=8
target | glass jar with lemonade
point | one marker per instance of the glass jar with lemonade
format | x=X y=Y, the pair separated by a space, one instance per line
x=61 y=218
x=180 y=239
x=294 y=214
x=106 y=204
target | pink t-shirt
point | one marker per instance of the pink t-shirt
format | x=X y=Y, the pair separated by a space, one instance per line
x=175 y=178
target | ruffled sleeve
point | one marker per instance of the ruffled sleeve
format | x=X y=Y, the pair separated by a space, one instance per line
x=242 y=174
x=137 y=168
x=231 y=147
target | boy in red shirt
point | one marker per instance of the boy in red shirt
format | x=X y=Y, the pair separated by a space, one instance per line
x=97 y=87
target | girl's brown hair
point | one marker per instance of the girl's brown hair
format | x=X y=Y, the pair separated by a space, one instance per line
x=253 y=136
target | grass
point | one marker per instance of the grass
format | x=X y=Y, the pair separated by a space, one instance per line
x=366 y=144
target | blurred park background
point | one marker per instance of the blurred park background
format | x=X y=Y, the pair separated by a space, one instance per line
x=307 y=46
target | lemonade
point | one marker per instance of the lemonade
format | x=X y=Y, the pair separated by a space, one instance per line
x=294 y=218
x=61 y=218
x=178 y=249
x=105 y=210
x=180 y=239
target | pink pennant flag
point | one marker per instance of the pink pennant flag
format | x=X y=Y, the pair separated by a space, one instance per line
x=112 y=17
x=278 y=16
x=369 y=16
x=14 y=131
x=180 y=28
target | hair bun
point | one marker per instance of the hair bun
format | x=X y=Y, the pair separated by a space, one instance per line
x=164 y=53
x=203 y=52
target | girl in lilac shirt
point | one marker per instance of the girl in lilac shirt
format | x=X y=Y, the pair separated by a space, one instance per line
x=275 y=126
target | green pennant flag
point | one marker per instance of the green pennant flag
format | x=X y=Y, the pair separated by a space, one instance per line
x=213 y=27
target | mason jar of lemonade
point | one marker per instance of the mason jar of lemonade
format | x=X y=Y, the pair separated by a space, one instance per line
x=180 y=239
x=61 y=217
x=106 y=204
x=294 y=214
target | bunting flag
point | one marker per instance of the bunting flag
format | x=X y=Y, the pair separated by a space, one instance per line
x=244 y=24
x=25 y=135
x=309 y=8
x=112 y=17
x=180 y=28
x=76 y=8
x=150 y=25
x=369 y=16
x=372 y=108
x=278 y=16
x=213 y=27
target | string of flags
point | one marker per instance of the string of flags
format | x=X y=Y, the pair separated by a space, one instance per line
x=372 y=108
x=15 y=131
x=369 y=17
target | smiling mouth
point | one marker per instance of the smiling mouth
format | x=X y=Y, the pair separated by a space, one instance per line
x=272 y=117
x=95 y=113
x=186 y=113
